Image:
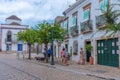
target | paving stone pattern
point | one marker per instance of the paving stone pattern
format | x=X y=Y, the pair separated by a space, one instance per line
x=13 y=69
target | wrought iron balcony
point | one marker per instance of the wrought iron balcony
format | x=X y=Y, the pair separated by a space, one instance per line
x=86 y=26
x=74 y=30
x=100 y=21
x=10 y=41
x=66 y=34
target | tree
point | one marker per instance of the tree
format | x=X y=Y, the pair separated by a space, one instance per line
x=44 y=33
x=27 y=36
x=111 y=18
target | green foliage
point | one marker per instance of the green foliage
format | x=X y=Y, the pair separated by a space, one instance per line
x=89 y=47
x=27 y=36
x=111 y=17
x=75 y=53
x=44 y=32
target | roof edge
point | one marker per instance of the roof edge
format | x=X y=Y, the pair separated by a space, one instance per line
x=73 y=6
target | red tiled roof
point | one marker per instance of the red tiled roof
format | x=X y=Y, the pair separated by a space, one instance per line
x=14 y=17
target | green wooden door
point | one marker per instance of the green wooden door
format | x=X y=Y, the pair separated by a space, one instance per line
x=107 y=51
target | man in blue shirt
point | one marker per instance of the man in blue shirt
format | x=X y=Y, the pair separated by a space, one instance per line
x=49 y=52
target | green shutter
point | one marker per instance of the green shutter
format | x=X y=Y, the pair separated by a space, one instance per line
x=103 y=4
x=86 y=14
x=65 y=24
x=74 y=21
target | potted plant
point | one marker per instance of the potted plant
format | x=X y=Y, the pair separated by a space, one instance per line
x=75 y=53
x=89 y=47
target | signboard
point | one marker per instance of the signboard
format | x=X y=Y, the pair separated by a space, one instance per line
x=20 y=47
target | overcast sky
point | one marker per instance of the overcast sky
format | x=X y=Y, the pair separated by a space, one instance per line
x=33 y=11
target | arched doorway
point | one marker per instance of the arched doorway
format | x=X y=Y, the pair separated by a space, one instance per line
x=75 y=47
x=9 y=36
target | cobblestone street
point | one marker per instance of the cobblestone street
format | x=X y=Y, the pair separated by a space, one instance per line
x=13 y=69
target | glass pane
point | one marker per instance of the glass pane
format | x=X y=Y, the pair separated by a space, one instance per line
x=74 y=21
x=86 y=14
x=65 y=24
x=103 y=4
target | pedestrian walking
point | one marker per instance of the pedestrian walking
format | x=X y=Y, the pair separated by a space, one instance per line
x=49 y=52
x=66 y=56
x=44 y=53
x=63 y=55
x=81 y=60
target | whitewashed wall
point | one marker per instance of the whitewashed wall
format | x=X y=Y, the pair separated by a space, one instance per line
x=91 y=36
x=13 y=31
x=8 y=21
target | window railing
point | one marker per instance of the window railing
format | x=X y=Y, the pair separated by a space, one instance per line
x=74 y=30
x=66 y=34
x=86 y=26
x=100 y=21
x=10 y=40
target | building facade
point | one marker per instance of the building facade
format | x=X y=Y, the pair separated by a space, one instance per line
x=83 y=22
x=8 y=35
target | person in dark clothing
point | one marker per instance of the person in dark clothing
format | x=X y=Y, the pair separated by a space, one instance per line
x=44 y=53
x=49 y=52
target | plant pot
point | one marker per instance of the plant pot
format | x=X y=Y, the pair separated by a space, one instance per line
x=91 y=60
x=75 y=53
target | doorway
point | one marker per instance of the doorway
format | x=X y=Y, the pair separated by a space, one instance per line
x=8 y=47
x=88 y=51
x=107 y=52
x=66 y=47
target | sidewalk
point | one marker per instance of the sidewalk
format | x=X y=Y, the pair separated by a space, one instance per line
x=105 y=72
x=96 y=70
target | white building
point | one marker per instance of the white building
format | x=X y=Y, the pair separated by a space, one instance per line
x=83 y=22
x=8 y=35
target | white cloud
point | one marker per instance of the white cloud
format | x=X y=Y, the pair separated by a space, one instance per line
x=33 y=9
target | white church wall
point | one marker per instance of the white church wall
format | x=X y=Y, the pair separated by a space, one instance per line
x=9 y=21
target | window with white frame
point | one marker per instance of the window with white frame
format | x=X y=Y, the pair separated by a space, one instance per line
x=74 y=19
x=86 y=11
x=65 y=24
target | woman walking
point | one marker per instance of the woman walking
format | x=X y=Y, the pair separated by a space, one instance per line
x=81 y=60
x=63 y=57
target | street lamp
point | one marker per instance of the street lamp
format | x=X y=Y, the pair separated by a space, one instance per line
x=52 y=60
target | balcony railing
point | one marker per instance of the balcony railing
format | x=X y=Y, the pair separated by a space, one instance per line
x=10 y=41
x=74 y=30
x=100 y=21
x=66 y=34
x=86 y=26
